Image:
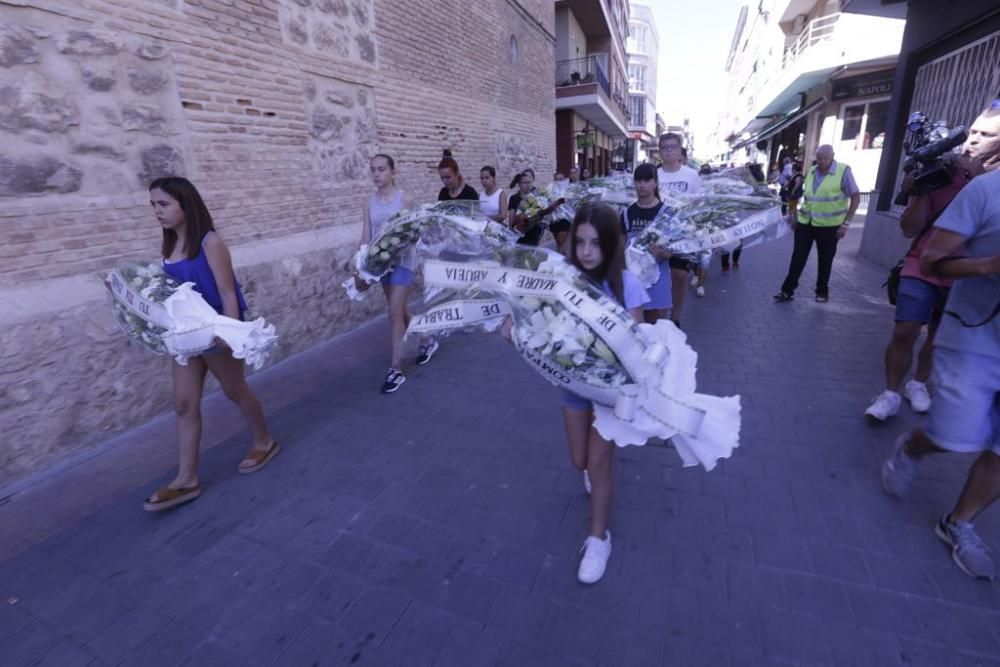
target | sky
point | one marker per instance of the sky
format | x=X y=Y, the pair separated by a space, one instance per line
x=694 y=42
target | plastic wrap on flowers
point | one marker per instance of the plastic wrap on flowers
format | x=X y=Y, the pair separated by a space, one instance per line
x=735 y=181
x=703 y=223
x=454 y=227
x=640 y=377
x=166 y=317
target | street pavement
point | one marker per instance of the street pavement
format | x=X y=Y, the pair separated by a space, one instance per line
x=441 y=525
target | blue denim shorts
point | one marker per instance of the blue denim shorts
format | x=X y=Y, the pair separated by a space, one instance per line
x=574 y=401
x=965 y=410
x=398 y=276
x=919 y=301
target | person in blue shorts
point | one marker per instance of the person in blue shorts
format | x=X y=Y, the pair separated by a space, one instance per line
x=965 y=414
x=385 y=202
x=597 y=248
x=635 y=218
x=193 y=252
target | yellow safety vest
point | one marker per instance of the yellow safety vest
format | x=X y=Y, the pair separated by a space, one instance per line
x=827 y=206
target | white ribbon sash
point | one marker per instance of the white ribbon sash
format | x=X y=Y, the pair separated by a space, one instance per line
x=612 y=324
x=135 y=302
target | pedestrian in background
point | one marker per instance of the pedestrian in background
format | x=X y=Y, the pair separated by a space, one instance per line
x=492 y=199
x=455 y=187
x=830 y=199
x=635 y=219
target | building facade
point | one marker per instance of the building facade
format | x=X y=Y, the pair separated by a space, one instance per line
x=949 y=69
x=591 y=84
x=273 y=110
x=802 y=74
x=643 y=50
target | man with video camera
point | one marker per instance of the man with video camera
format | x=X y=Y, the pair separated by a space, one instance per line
x=920 y=297
x=964 y=246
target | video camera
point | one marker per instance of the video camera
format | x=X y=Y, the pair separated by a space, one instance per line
x=925 y=144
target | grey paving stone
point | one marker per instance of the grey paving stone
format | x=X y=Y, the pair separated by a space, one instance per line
x=790 y=637
x=259 y=630
x=469 y=645
x=849 y=645
x=129 y=632
x=882 y=610
x=101 y=612
x=818 y=597
x=331 y=596
x=420 y=633
x=67 y=653
x=320 y=644
x=293 y=580
x=170 y=645
x=515 y=567
x=27 y=645
x=520 y=654
x=370 y=617
x=574 y=631
x=519 y=614
x=967 y=628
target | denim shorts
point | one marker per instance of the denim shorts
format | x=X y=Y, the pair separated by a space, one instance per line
x=398 y=276
x=574 y=401
x=919 y=301
x=965 y=415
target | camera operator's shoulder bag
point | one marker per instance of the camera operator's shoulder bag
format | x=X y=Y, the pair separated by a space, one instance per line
x=895 y=273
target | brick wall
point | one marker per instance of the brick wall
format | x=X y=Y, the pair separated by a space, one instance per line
x=272 y=107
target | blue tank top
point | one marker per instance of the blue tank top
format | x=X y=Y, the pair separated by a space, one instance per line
x=198 y=271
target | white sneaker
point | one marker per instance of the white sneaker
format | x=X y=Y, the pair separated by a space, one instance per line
x=884 y=406
x=700 y=291
x=918 y=396
x=694 y=280
x=595 y=558
x=586 y=481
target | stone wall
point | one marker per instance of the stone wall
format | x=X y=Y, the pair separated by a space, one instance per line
x=272 y=107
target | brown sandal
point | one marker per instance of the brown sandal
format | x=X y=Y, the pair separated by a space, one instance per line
x=168 y=497
x=259 y=459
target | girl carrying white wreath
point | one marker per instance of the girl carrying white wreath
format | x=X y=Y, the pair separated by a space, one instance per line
x=193 y=252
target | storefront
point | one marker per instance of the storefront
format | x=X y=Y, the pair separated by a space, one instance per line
x=862 y=111
x=947 y=69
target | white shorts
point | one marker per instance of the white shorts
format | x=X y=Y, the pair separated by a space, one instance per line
x=965 y=412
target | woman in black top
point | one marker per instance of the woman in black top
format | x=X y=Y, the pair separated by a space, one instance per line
x=635 y=219
x=455 y=186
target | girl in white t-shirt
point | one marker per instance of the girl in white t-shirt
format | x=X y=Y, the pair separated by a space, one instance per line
x=492 y=199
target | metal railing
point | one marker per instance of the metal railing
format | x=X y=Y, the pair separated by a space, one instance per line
x=580 y=71
x=816 y=31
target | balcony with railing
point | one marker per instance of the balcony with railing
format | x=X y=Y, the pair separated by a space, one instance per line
x=822 y=46
x=583 y=84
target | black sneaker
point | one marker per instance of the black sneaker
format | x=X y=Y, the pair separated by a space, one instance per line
x=782 y=297
x=426 y=352
x=393 y=380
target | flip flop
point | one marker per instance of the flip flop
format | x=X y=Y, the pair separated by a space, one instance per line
x=167 y=498
x=259 y=458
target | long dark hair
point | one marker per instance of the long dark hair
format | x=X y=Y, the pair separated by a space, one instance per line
x=517 y=180
x=197 y=219
x=608 y=225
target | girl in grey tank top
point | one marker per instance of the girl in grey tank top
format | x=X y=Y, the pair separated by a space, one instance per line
x=384 y=203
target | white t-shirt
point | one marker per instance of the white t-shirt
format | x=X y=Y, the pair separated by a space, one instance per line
x=684 y=181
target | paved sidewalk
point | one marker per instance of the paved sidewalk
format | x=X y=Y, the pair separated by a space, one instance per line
x=441 y=525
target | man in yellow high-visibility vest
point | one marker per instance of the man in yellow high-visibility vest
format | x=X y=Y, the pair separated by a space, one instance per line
x=829 y=200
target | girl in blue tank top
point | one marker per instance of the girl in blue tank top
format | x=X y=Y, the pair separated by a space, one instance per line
x=193 y=252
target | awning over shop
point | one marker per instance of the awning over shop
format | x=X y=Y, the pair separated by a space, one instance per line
x=774 y=125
